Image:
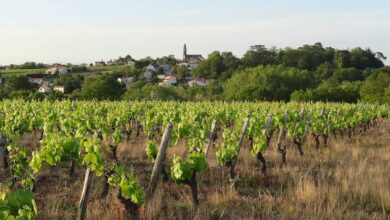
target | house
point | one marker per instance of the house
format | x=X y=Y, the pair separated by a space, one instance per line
x=126 y=80
x=162 y=76
x=150 y=71
x=57 y=68
x=131 y=63
x=111 y=63
x=100 y=63
x=59 y=89
x=197 y=82
x=168 y=81
x=44 y=89
x=36 y=78
x=167 y=69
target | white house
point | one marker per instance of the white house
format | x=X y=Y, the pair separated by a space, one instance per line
x=61 y=69
x=131 y=63
x=44 y=89
x=59 y=89
x=197 y=82
x=167 y=69
x=126 y=80
x=168 y=81
x=36 y=80
x=151 y=67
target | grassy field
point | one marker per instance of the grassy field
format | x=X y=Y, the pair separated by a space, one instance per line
x=21 y=72
x=348 y=179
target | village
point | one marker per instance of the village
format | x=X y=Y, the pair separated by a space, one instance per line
x=162 y=73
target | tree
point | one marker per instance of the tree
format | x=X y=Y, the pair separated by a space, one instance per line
x=330 y=91
x=374 y=86
x=102 y=88
x=167 y=60
x=70 y=82
x=217 y=65
x=307 y=57
x=363 y=59
x=348 y=74
x=180 y=71
x=270 y=83
x=342 y=59
x=142 y=63
x=259 y=55
x=15 y=83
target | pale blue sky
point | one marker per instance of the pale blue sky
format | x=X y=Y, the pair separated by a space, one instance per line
x=88 y=30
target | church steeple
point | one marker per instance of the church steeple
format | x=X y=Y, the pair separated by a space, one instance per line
x=185 y=52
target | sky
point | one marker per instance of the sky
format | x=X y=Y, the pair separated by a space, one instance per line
x=62 y=31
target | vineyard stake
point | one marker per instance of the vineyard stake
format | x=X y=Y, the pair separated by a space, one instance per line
x=158 y=164
x=84 y=195
x=233 y=165
x=211 y=137
x=3 y=153
x=308 y=126
x=282 y=135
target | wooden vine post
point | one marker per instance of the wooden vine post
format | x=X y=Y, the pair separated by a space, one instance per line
x=211 y=137
x=282 y=148
x=84 y=195
x=233 y=176
x=159 y=162
x=3 y=151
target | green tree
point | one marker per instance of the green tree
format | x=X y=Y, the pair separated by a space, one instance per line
x=15 y=83
x=259 y=55
x=374 y=86
x=270 y=83
x=70 y=82
x=180 y=71
x=342 y=59
x=102 y=88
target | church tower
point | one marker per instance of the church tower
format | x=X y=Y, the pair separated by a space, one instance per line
x=185 y=52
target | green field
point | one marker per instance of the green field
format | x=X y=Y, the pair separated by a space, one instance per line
x=21 y=72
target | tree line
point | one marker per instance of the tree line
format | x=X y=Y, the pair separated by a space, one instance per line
x=307 y=73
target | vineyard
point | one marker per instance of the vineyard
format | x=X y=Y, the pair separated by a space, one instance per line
x=179 y=147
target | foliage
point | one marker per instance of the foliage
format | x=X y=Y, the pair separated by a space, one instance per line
x=101 y=88
x=266 y=83
x=151 y=150
x=19 y=205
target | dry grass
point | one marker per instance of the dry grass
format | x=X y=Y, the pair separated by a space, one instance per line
x=349 y=179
